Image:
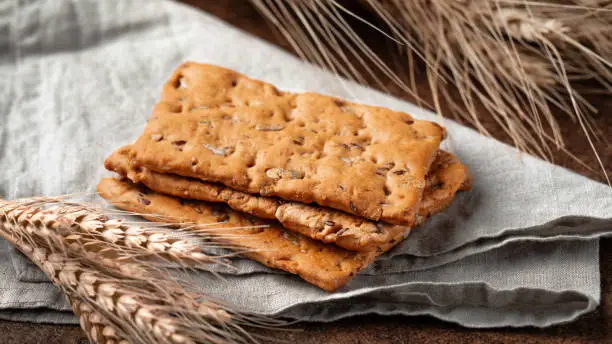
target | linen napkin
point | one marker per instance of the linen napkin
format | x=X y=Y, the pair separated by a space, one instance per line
x=81 y=78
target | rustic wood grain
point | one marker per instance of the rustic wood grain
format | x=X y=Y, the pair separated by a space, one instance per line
x=595 y=327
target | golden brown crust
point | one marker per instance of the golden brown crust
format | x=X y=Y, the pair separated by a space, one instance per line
x=326 y=266
x=446 y=177
x=323 y=224
x=217 y=125
x=335 y=227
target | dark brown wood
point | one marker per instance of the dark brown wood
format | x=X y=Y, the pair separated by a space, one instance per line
x=595 y=327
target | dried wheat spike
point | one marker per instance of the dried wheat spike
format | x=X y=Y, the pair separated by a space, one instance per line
x=79 y=226
x=144 y=311
x=97 y=328
x=130 y=302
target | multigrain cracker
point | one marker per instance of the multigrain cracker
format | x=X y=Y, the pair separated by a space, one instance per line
x=446 y=177
x=326 y=266
x=217 y=125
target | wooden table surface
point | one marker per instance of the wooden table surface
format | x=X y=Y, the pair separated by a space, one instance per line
x=595 y=327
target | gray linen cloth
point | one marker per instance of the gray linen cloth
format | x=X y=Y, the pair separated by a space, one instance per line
x=79 y=79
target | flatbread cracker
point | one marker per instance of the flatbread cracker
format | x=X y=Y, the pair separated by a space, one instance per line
x=217 y=125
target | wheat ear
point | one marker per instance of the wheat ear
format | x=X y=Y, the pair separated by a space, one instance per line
x=81 y=227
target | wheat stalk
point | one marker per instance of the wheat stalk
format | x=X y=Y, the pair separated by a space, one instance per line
x=80 y=227
x=518 y=59
x=90 y=257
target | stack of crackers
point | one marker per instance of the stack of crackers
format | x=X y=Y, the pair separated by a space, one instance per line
x=309 y=184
